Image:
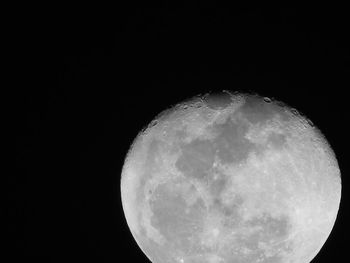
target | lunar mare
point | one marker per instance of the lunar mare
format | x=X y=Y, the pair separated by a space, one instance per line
x=230 y=178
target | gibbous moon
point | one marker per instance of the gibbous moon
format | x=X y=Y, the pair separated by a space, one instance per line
x=233 y=178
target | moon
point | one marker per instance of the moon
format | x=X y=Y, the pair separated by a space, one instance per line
x=230 y=177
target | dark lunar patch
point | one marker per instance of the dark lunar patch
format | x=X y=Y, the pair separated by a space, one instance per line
x=256 y=110
x=197 y=158
x=218 y=100
x=230 y=144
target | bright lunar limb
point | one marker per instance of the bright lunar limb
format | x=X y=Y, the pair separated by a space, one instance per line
x=230 y=178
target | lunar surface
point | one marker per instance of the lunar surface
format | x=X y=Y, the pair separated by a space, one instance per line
x=230 y=178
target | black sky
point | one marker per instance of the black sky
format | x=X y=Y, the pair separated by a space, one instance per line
x=95 y=76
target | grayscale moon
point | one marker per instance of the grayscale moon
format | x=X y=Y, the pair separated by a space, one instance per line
x=230 y=177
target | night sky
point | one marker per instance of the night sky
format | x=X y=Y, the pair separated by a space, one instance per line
x=93 y=77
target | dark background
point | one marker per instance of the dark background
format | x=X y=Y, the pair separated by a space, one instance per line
x=95 y=76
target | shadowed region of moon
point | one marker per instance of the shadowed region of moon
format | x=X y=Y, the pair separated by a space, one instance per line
x=231 y=178
x=218 y=100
